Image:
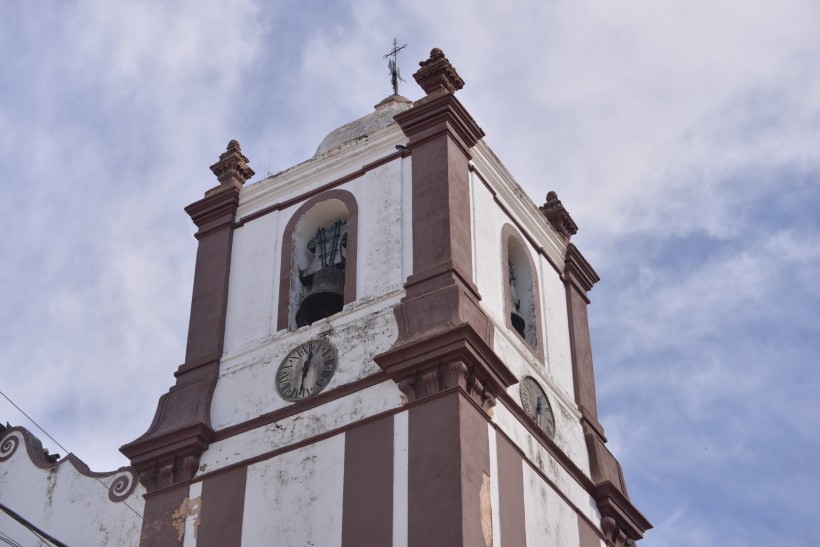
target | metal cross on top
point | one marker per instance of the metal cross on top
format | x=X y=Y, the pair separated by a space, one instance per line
x=395 y=74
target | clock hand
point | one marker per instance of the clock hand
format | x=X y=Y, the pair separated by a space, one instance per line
x=306 y=368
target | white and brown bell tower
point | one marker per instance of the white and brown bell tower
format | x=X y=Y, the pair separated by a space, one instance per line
x=388 y=345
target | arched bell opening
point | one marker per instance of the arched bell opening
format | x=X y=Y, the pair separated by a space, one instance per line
x=521 y=292
x=320 y=260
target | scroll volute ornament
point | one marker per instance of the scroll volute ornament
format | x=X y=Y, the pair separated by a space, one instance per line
x=437 y=76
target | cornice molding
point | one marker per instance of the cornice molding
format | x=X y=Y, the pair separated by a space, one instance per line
x=445 y=113
x=578 y=271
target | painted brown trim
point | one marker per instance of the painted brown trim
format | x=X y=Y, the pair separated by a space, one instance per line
x=367 y=507
x=214 y=217
x=282 y=205
x=512 y=526
x=222 y=509
x=508 y=231
x=287 y=250
x=538 y=248
x=296 y=408
x=447 y=462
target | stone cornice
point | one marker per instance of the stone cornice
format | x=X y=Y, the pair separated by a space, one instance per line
x=458 y=357
x=445 y=113
x=215 y=211
x=578 y=271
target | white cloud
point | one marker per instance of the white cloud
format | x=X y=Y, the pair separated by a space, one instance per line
x=666 y=128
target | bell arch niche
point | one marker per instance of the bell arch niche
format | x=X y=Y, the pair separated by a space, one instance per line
x=318 y=266
x=522 y=298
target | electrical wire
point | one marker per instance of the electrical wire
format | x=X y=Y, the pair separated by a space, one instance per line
x=31 y=528
x=155 y=527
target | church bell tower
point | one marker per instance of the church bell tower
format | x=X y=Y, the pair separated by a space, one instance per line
x=388 y=346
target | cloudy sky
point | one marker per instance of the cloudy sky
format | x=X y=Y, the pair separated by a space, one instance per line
x=682 y=135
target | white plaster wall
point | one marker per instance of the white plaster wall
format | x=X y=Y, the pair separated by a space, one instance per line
x=401 y=429
x=246 y=387
x=569 y=435
x=310 y=423
x=547 y=464
x=494 y=491
x=379 y=195
x=193 y=514
x=253 y=285
x=295 y=500
x=554 y=307
x=253 y=293
x=549 y=521
x=487 y=268
x=490 y=277
x=62 y=502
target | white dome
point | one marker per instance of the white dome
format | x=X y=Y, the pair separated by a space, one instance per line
x=378 y=119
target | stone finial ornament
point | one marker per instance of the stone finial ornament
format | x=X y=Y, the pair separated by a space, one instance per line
x=437 y=76
x=232 y=169
x=554 y=211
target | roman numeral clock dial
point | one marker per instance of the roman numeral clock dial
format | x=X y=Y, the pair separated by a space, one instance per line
x=306 y=370
x=536 y=405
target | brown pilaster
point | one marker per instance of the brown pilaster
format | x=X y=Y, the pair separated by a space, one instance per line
x=367 y=508
x=448 y=474
x=164 y=517
x=512 y=525
x=167 y=455
x=621 y=521
x=222 y=509
x=445 y=339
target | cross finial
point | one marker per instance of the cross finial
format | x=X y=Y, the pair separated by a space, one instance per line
x=395 y=74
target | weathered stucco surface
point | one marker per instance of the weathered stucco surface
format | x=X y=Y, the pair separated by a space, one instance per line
x=64 y=502
x=294 y=500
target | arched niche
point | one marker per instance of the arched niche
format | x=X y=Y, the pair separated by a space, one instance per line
x=522 y=296
x=317 y=212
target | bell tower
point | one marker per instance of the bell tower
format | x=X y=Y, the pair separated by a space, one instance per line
x=388 y=345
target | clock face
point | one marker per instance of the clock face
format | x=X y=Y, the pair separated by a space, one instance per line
x=535 y=403
x=306 y=370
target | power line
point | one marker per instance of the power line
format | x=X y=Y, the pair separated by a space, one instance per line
x=67 y=451
x=31 y=528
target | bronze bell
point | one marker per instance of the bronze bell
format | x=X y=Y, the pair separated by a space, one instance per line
x=325 y=298
x=518 y=323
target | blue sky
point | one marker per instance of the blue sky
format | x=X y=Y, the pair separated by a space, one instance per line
x=683 y=137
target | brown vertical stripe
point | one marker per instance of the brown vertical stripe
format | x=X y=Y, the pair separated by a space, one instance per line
x=223 y=504
x=475 y=475
x=587 y=537
x=433 y=468
x=510 y=495
x=447 y=465
x=367 y=508
x=162 y=515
